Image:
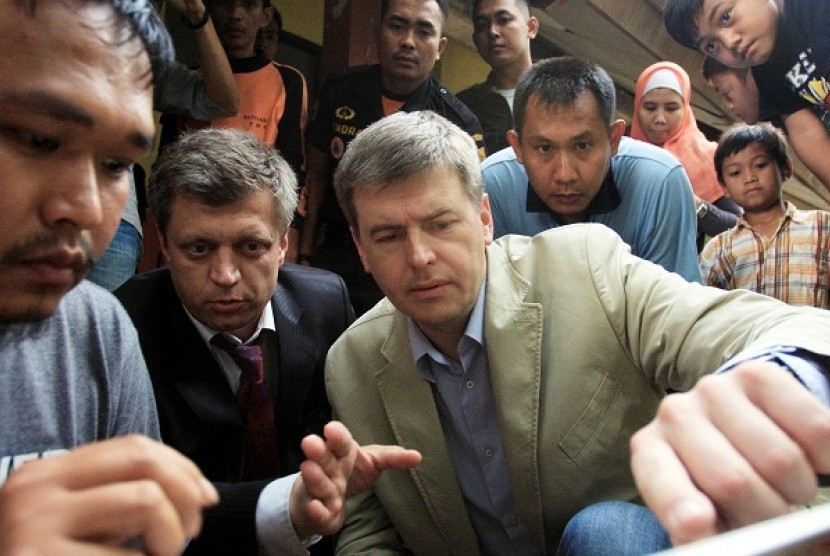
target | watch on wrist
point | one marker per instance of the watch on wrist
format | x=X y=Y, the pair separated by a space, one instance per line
x=199 y=24
x=702 y=210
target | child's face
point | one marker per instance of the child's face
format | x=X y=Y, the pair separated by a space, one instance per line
x=661 y=113
x=741 y=96
x=738 y=33
x=752 y=178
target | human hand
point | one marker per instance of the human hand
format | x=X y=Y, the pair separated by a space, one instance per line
x=740 y=447
x=96 y=498
x=336 y=468
x=193 y=10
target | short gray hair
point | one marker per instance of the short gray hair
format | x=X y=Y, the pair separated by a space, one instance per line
x=218 y=167
x=401 y=146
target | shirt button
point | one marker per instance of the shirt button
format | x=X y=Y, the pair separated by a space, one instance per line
x=513 y=520
x=488 y=452
x=470 y=384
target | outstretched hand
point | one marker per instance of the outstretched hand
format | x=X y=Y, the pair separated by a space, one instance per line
x=337 y=467
x=740 y=447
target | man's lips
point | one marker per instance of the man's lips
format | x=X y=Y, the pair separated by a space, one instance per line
x=566 y=197
x=234 y=30
x=226 y=305
x=61 y=257
x=59 y=267
x=408 y=60
x=429 y=287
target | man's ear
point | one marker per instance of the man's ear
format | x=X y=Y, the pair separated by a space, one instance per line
x=616 y=135
x=513 y=138
x=532 y=27
x=442 y=46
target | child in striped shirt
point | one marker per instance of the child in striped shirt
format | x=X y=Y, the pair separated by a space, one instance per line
x=775 y=249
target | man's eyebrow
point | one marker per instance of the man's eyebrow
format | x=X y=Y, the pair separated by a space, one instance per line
x=379 y=228
x=425 y=24
x=40 y=102
x=46 y=104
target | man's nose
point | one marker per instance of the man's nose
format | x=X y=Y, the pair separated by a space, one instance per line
x=74 y=196
x=223 y=269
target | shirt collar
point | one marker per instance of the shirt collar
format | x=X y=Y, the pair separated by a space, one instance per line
x=266 y=322
x=423 y=350
x=606 y=199
x=790 y=213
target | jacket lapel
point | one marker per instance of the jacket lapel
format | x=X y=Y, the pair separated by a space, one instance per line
x=410 y=407
x=513 y=335
x=296 y=354
x=198 y=378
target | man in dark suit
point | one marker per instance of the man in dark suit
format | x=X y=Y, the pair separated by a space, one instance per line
x=223 y=203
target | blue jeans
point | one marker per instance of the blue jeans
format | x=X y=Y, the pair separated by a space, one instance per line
x=619 y=528
x=119 y=261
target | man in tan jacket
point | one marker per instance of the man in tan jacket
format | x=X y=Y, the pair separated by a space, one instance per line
x=521 y=368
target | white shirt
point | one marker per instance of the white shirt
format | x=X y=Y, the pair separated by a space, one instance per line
x=275 y=532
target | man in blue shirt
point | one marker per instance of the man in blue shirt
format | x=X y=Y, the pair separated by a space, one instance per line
x=570 y=163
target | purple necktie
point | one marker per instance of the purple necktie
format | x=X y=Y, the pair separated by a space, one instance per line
x=256 y=409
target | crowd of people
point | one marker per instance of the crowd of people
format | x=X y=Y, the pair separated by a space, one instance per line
x=502 y=322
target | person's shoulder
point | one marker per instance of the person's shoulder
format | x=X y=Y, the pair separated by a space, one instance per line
x=643 y=168
x=557 y=238
x=289 y=74
x=89 y=298
x=90 y=309
x=148 y=294
x=352 y=76
x=808 y=217
x=504 y=157
x=305 y=278
x=452 y=108
x=634 y=151
x=474 y=91
x=372 y=329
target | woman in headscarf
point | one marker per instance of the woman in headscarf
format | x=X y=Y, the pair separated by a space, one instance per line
x=663 y=116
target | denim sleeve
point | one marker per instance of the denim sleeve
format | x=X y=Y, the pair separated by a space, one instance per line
x=810 y=369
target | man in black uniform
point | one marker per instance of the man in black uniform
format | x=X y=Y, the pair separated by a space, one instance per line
x=411 y=41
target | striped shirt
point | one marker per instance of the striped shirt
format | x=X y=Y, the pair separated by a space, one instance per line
x=793 y=265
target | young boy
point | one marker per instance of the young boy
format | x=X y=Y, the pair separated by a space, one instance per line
x=807 y=134
x=785 y=44
x=736 y=86
x=775 y=249
x=783 y=40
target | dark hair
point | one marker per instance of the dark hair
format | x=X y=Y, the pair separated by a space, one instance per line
x=218 y=167
x=712 y=67
x=680 y=17
x=474 y=4
x=559 y=81
x=445 y=11
x=741 y=136
x=137 y=19
x=146 y=24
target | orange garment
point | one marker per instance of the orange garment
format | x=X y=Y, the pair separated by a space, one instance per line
x=689 y=145
x=262 y=103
